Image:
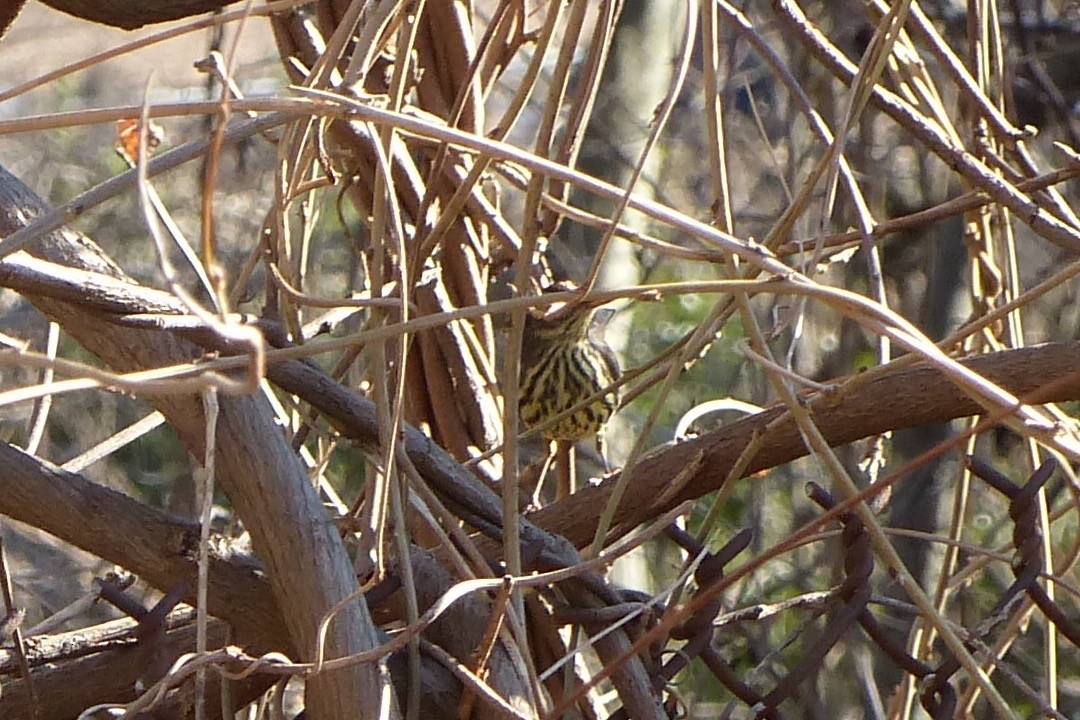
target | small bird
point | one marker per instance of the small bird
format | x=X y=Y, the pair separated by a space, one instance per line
x=564 y=361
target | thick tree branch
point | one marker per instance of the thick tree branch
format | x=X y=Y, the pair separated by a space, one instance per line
x=9 y=9
x=132 y=14
x=158 y=547
x=907 y=397
x=65 y=686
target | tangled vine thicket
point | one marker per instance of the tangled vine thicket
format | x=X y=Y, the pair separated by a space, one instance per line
x=855 y=217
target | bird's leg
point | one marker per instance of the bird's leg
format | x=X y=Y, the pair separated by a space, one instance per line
x=538 y=491
x=564 y=462
x=601 y=450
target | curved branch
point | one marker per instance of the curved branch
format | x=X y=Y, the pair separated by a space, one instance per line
x=133 y=14
x=306 y=561
x=906 y=397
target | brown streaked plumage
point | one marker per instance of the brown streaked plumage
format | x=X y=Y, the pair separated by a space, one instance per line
x=564 y=360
